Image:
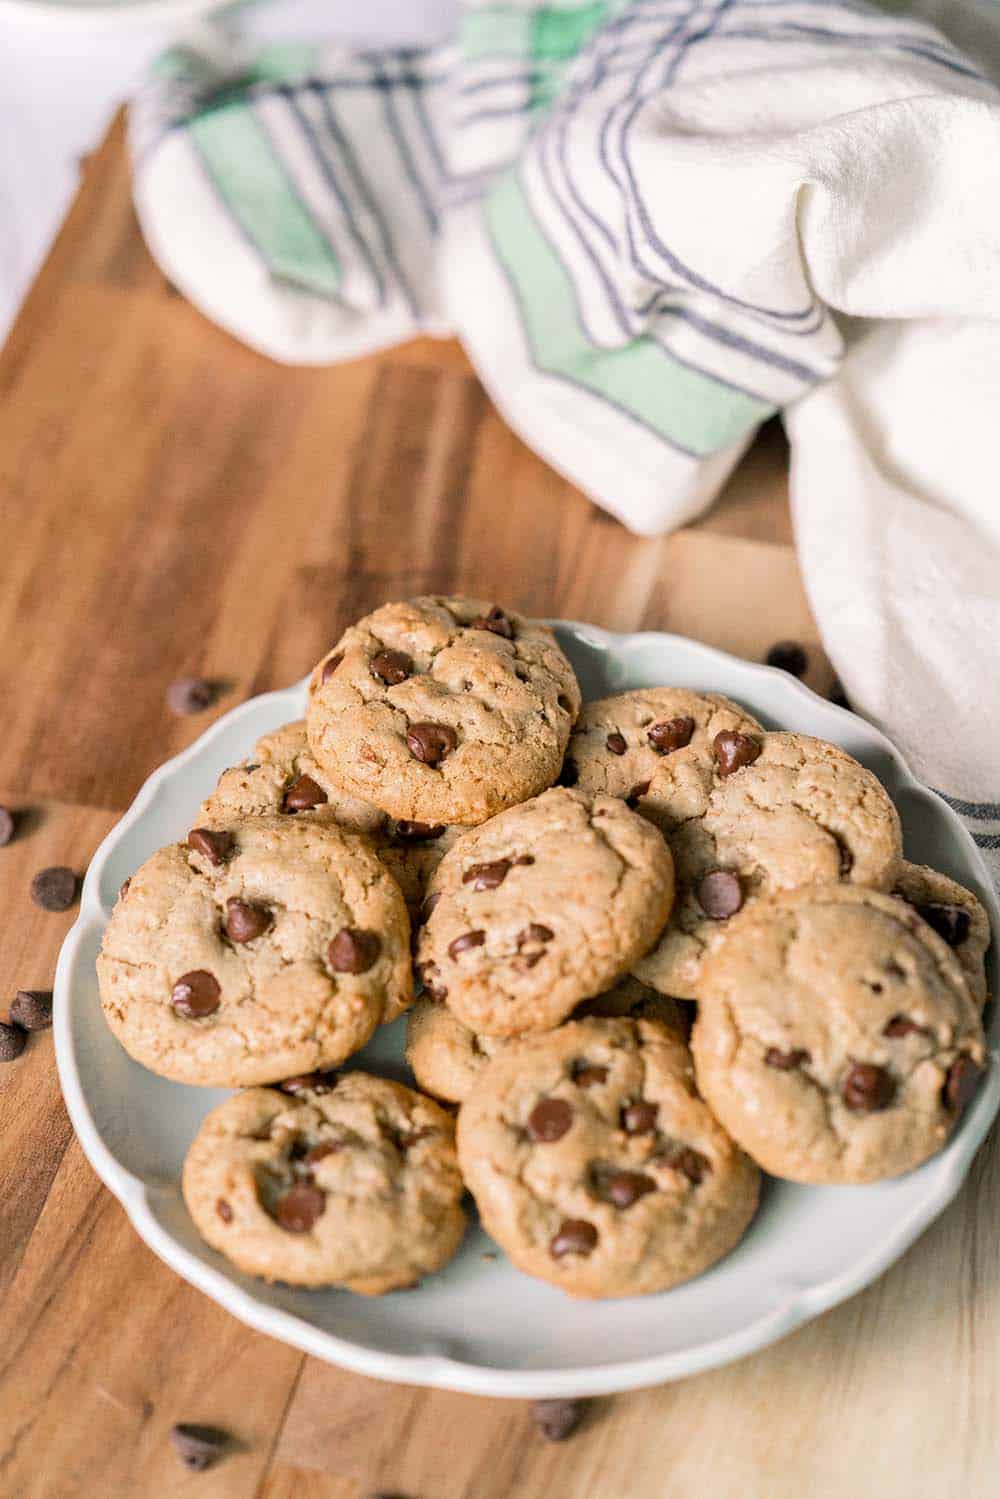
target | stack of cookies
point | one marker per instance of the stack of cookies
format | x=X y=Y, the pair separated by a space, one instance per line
x=689 y=866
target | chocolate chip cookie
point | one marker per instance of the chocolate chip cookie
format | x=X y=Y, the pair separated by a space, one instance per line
x=282 y=776
x=763 y=812
x=248 y=953
x=955 y=914
x=622 y=744
x=354 y=1183
x=447 y=1059
x=545 y=905
x=836 y=1038
x=443 y=710
x=595 y=1164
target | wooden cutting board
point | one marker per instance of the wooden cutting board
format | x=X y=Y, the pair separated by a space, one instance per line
x=174 y=504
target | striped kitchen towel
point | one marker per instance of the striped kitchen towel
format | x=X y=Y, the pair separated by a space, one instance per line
x=654 y=223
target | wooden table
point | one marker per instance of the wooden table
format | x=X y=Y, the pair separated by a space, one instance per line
x=174 y=504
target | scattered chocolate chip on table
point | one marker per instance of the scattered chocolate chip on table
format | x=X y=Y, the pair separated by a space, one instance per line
x=788 y=656
x=199 y=1447
x=8 y=825
x=557 y=1419
x=12 y=1042
x=54 y=889
x=190 y=695
x=32 y=1009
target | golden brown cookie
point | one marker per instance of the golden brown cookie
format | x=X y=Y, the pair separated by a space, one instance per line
x=353 y=1183
x=836 y=1037
x=955 y=914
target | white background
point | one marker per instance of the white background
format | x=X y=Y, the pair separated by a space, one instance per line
x=62 y=74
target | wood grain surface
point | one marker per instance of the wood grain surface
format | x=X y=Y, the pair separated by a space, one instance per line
x=173 y=504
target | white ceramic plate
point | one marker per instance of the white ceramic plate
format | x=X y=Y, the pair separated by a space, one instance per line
x=480 y=1325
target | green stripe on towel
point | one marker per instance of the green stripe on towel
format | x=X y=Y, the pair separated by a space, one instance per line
x=691 y=410
x=251 y=179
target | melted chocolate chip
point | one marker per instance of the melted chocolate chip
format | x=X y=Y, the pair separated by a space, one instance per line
x=298 y=1209
x=901 y=1025
x=303 y=795
x=733 y=751
x=531 y=941
x=392 y=667
x=622 y=1188
x=214 y=846
x=960 y=1084
x=670 y=734
x=868 y=1089
x=246 y=920
x=495 y=621
x=430 y=743
x=575 y=1236
x=720 y=894
x=123 y=888
x=418 y=832
x=463 y=943
x=786 y=1061
x=949 y=921
x=689 y=1162
x=487 y=876
x=616 y=743
x=639 y=1118
x=353 y=950
x=549 y=1120
x=321 y=1151
x=195 y=995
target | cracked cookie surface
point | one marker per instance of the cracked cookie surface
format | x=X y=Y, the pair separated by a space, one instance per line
x=250 y=953
x=443 y=710
x=595 y=1164
x=447 y=1059
x=790 y=811
x=549 y=903
x=621 y=745
x=836 y=1038
x=352 y=1183
x=955 y=914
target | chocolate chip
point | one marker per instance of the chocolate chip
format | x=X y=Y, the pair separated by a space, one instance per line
x=587 y=1074
x=430 y=977
x=786 y=1061
x=312 y=1082
x=639 y=1118
x=575 y=1236
x=531 y=942
x=487 y=876
x=616 y=744
x=224 y=1211
x=549 y=1120
x=298 y=1209
x=190 y=695
x=524 y=859
x=245 y=920
x=12 y=1042
x=330 y=666
x=961 y=1083
x=430 y=743
x=733 y=751
x=868 y=1089
x=123 y=888
x=214 y=846
x=496 y=622
x=557 y=1419
x=720 y=895
x=54 y=889
x=689 y=1162
x=570 y=773
x=303 y=795
x=901 y=1025
x=195 y=995
x=198 y=1447
x=321 y=1151
x=788 y=656
x=32 y=1009
x=392 y=667
x=8 y=826
x=949 y=921
x=670 y=734
x=636 y=794
x=622 y=1188
x=418 y=832
x=464 y=942
x=353 y=950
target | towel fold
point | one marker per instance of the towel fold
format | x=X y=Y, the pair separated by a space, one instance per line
x=653 y=224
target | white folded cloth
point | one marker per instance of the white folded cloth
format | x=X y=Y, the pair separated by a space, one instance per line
x=653 y=223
